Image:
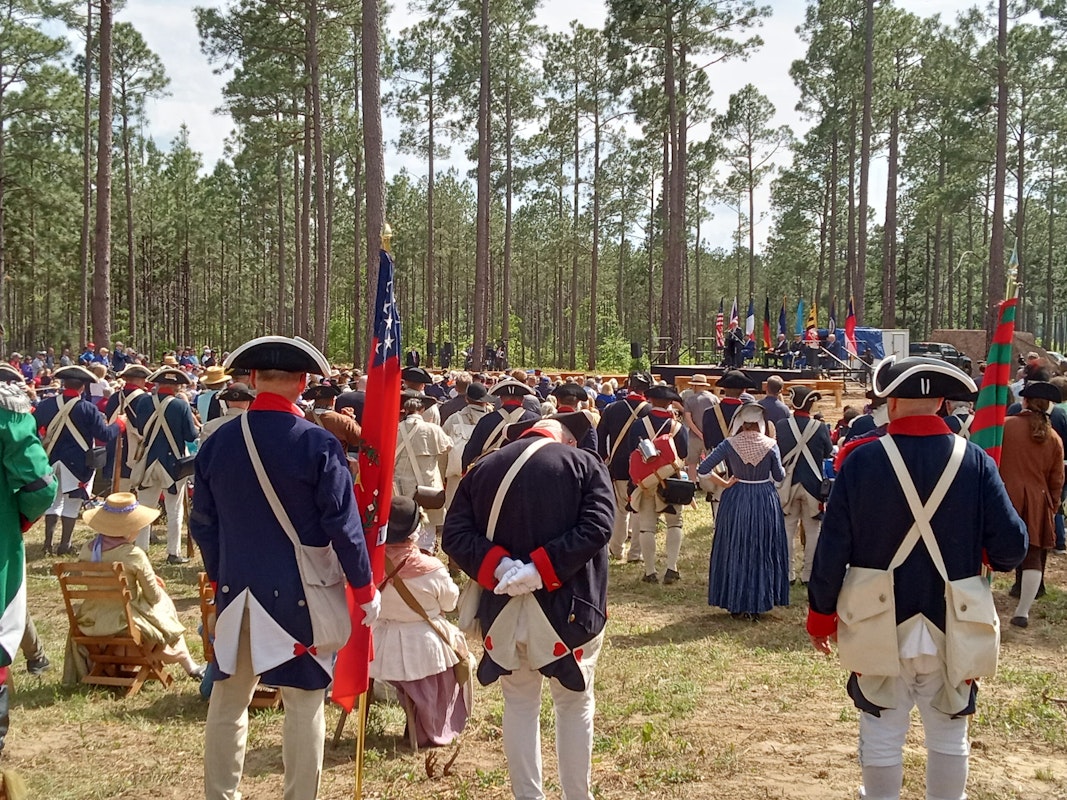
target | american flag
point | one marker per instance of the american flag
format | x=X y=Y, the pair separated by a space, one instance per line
x=718 y=326
x=374 y=487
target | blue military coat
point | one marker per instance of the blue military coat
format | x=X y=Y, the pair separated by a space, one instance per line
x=247 y=553
x=89 y=422
x=178 y=417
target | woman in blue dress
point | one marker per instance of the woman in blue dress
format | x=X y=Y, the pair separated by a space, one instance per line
x=749 y=571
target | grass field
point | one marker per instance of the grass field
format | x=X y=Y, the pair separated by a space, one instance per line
x=690 y=703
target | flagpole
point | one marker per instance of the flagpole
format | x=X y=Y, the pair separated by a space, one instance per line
x=361 y=738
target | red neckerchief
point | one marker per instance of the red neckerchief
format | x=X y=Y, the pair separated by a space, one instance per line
x=566 y=409
x=666 y=413
x=799 y=413
x=71 y=393
x=510 y=400
x=640 y=398
x=269 y=401
x=732 y=401
x=165 y=389
x=924 y=425
x=128 y=390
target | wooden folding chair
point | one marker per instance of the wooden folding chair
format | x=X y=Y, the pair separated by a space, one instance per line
x=265 y=696
x=123 y=660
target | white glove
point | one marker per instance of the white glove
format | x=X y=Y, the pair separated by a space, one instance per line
x=506 y=565
x=521 y=580
x=372 y=608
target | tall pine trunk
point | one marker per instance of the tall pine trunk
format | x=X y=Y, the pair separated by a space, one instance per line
x=101 y=304
x=481 y=260
x=859 y=286
x=373 y=146
x=996 y=238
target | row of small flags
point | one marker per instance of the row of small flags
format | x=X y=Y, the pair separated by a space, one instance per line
x=810 y=321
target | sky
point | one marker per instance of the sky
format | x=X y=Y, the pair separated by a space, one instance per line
x=169 y=28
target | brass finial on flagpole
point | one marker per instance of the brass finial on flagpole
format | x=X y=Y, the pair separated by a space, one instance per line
x=387 y=238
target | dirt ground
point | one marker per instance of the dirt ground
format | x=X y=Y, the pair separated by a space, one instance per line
x=691 y=703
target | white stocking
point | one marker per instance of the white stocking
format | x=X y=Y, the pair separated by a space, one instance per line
x=946 y=776
x=882 y=783
x=1027 y=591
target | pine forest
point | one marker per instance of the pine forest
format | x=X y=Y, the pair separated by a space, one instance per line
x=558 y=187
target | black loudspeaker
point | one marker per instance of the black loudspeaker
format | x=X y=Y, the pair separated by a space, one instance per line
x=635 y=349
x=431 y=349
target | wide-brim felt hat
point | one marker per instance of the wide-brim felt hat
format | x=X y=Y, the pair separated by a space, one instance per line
x=803 y=397
x=1042 y=390
x=75 y=373
x=699 y=379
x=135 y=371
x=320 y=390
x=639 y=380
x=735 y=379
x=918 y=377
x=749 y=412
x=570 y=391
x=411 y=394
x=8 y=374
x=282 y=353
x=170 y=361
x=403 y=520
x=477 y=392
x=416 y=375
x=510 y=386
x=237 y=392
x=120 y=515
x=169 y=376
x=214 y=375
x=663 y=393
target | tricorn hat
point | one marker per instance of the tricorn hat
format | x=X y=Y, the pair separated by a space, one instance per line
x=320 y=390
x=638 y=381
x=403 y=520
x=570 y=391
x=237 y=392
x=577 y=422
x=169 y=376
x=510 y=387
x=803 y=397
x=120 y=515
x=735 y=379
x=411 y=394
x=416 y=375
x=918 y=377
x=8 y=374
x=135 y=371
x=280 y=353
x=75 y=373
x=1043 y=390
x=663 y=393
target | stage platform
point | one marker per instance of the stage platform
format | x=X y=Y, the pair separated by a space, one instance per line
x=671 y=372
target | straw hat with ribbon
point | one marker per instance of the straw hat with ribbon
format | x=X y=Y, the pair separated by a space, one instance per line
x=120 y=515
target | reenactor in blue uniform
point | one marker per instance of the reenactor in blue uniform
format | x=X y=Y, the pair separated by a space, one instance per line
x=119 y=404
x=268 y=627
x=803 y=442
x=613 y=432
x=68 y=426
x=569 y=398
x=162 y=464
x=716 y=422
x=543 y=568
x=891 y=616
x=489 y=433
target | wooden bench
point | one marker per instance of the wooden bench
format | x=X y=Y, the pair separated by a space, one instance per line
x=124 y=660
x=264 y=696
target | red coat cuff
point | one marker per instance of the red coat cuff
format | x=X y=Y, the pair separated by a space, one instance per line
x=489 y=564
x=821 y=624
x=544 y=566
x=25 y=524
x=364 y=594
